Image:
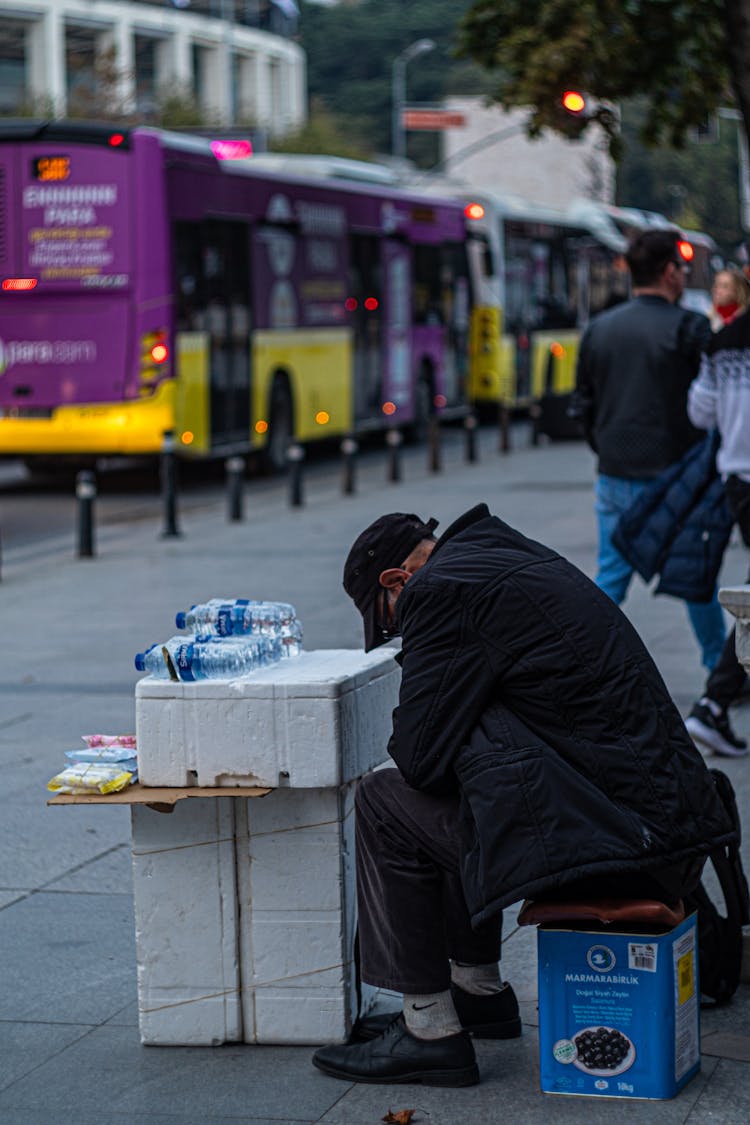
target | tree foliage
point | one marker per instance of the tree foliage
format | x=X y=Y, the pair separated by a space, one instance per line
x=696 y=186
x=323 y=133
x=684 y=58
x=351 y=48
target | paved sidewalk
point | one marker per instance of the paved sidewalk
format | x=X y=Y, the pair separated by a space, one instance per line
x=69 y=1045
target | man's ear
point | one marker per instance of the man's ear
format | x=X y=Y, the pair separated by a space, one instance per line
x=393 y=578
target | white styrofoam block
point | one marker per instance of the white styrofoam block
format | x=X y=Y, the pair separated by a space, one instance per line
x=186 y=926
x=296 y=941
x=314 y=721
x=245 y=918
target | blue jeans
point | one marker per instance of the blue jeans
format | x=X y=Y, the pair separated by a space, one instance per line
x=614 y=495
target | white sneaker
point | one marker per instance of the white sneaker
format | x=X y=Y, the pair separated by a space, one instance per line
x=714 y=731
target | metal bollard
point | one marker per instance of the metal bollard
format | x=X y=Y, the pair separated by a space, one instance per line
x=394 y=440
x=436 y=460
x=169 y=485
x=535 y=418
x=85 y=494
x=470 y=426
x=235 y=470
x=295 y=455
x=504 y=428
x=349 y=449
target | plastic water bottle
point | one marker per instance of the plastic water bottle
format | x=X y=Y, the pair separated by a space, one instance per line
x=152 y=662
x=242 y=617
x=214 y=658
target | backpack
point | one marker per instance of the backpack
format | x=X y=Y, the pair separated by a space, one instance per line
x=720 y=936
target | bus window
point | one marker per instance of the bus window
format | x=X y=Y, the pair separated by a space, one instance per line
x=213 y=296
x=365 y=286
x=456 y=303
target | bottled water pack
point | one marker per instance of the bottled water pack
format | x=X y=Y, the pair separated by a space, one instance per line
x=227 y=617
x=230 y=639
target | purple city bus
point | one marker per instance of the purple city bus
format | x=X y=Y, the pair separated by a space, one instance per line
x=148 y=284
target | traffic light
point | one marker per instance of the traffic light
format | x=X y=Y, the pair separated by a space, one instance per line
x=574 y=101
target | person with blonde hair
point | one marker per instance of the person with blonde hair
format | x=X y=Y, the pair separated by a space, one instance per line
x=730 y=294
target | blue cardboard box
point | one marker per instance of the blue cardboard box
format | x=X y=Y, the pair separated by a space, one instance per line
x=619 y=1012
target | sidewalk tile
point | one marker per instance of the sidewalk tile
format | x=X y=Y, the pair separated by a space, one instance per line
x=82 y=949
x=509 y=1091
x=726 y=1099
x=190 y=1083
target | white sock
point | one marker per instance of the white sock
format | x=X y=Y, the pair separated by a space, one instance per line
x=431 y=1016
x=478 y=980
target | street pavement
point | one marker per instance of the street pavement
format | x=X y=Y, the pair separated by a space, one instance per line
x=70 y=627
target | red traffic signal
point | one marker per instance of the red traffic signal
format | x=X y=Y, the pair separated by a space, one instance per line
x=573 y=101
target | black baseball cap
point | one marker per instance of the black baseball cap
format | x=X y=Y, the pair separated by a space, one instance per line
x=384 y=544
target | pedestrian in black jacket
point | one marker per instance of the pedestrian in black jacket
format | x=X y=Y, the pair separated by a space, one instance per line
x=635 y=365
x=538 y=751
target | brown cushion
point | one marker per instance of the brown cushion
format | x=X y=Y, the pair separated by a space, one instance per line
x=646 y=910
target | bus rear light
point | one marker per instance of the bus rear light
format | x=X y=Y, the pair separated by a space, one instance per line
x=322 y=417
x=261 y=426
x=371 y=303
x=350 y=304
x=19 y=284
x=116 y=139
x=557 y=350
x=685 y=250
x=474 y=211
x=440 y=401
x=187 y=438
x=159 y=353
x=389 y=408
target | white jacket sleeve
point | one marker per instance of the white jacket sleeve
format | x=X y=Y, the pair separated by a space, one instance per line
x=702 y=396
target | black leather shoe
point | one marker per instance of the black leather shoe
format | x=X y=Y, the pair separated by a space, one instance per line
x=398 y=1056
x=486 y=1017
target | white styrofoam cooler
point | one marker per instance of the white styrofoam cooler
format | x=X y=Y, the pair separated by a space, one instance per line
x=245 y=915
x=312 y=721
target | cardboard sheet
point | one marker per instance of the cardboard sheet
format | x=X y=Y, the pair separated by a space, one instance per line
x=154 y=796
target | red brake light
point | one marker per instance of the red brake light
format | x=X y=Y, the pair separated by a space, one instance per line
x=371 y=303
x=685 y=250
x=350 y=304
x=474 y=211
x=159 y=353
x=573 y=101
x=19 y=283
x=116 y=139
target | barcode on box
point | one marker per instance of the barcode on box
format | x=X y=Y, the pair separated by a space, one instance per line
x=642 y=955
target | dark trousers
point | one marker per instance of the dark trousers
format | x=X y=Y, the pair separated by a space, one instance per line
x=728 y=676
x=412 y=911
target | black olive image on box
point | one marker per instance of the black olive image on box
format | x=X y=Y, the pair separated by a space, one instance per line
x=603 y=1050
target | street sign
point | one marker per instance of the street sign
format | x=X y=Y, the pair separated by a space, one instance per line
x=433 y=119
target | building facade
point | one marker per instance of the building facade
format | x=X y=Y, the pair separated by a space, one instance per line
x=490 y=149
x=236 y=60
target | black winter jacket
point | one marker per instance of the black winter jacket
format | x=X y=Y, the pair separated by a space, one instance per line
x=635 y=365
x=679 y=526
x=526 y=691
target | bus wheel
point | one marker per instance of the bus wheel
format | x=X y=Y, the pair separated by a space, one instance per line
x=281 y=426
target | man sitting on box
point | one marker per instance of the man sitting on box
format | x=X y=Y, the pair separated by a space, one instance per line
x=538 y=751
